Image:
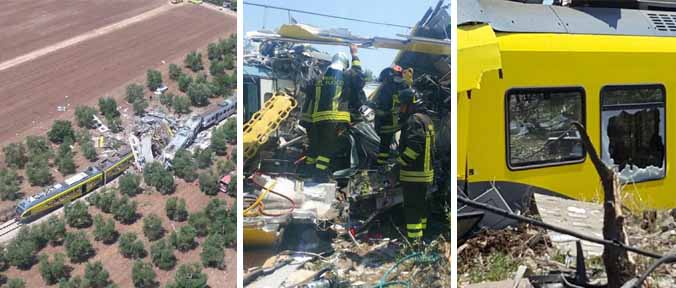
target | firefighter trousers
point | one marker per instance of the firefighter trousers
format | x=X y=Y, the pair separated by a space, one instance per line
x=311 y=155
x=326 y=143
x=385 y=143
x=415 y=208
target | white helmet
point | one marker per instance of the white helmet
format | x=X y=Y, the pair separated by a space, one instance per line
x=339 y=61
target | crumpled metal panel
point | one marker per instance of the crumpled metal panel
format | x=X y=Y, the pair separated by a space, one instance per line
x=478 y=53
x=435 y=24
x=604 y=21
x=509 y=16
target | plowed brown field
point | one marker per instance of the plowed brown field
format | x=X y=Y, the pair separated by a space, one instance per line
x=92 y=69
x=31 y=25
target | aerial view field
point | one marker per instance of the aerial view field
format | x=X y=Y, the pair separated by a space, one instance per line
x=118 y=144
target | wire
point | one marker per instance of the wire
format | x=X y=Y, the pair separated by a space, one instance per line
x=261 y=206
x=259 y=199
x=419 y=258
x=663 y=260
x=326 y=15
x=501 y=212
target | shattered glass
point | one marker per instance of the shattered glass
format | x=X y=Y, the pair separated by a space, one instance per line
x=632 y=124
x=540 y=130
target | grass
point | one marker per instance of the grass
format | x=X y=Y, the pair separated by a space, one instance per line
x=497 y=266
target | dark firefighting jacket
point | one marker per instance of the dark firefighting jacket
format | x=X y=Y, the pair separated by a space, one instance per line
x=416 y=150
x=308 y=104
x=336 y=93
x=387 y=107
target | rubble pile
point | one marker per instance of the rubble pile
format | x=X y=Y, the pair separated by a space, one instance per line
x=494 y=255
x=387 y=261
x=654 y=231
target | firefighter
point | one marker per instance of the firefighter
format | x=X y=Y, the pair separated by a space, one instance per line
x=416 y=155
x=333 y=98
x=306 y=122
x=387 y=110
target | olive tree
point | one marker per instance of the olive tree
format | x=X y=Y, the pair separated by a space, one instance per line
x=194 y=61
x=189 y=276
x=134 y=92
x=84 y=116
x=152 y=227
x=77 y=215
x=104 y=230
x=174 y=72
x=143 y=275
x=176 y=209
x=184 y=165
x=55 y=270
x=162 y=255
x=131 y=247
x=96 y=276
x=130 y=184
x=78 y=247
x=199 y=94
x=154 y=79
x=9 y=184
x=61 y=129
x=15 y=155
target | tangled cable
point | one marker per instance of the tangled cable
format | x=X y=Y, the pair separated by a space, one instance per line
x=258 y=204
x=418 y=258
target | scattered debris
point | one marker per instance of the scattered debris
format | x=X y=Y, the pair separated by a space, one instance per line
x=342 y=233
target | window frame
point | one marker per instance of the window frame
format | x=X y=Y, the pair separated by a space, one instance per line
x=635 y=106
x=583 y=121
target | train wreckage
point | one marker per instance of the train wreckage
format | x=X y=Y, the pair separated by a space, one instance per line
x=285 y=211
x=160 y=134
x=525 y=137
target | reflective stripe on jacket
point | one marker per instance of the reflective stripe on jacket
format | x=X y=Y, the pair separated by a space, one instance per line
x=416 y=150
x=329 y=104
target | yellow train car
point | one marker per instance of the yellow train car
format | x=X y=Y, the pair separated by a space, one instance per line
x=74 y=187
x=527 y=71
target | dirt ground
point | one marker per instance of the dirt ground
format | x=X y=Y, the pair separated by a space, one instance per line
x=31 y=25
x=101 y=66
x=120 y=267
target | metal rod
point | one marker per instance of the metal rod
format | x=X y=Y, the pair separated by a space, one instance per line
x=520 y=218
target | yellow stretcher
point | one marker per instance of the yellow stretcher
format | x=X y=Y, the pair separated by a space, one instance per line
x=264 y=122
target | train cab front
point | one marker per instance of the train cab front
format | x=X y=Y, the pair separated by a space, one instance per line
x=21 y=213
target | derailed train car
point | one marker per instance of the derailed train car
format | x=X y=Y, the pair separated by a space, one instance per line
x=74 y=187
x=528 y=71
x=186 y=134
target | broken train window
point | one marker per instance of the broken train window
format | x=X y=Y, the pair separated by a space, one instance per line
x=632 y=131
x=539 y=126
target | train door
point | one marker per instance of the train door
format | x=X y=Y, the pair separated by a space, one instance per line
x=478 y=53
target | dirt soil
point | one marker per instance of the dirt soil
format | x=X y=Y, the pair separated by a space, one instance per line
x=99 y=66
x=95 y=67
x=120 y=267
x=31 y=25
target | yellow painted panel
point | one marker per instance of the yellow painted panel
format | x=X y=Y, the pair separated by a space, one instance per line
x=561 y=60
x=254 y=237
x=478 y=53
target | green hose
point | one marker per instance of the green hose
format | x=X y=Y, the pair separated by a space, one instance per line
x=420 y=259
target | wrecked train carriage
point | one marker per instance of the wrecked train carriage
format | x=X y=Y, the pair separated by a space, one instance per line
x=186 y=133
x=74 y=187
x=528 y=71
